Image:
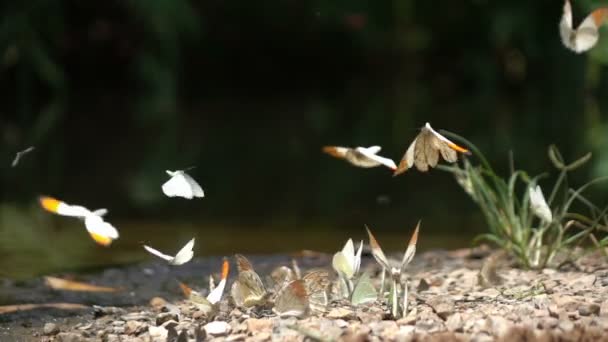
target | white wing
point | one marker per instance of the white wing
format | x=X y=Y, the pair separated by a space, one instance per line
x=586 y=35
x=195 y=188
x=368 y=153
x=349 y=252
x=100 y=212
x=565 y=26
x=184 y=255
x=358 y=258
x=216 y=295
x=72 y=210
x=96 y=225
x=373 y=149
x=158 y=253
x=178 y=186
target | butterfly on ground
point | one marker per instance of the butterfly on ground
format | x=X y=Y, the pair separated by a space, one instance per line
x=208 y=304
x=347 y=263
x=424 y=151
x=248 y=289
x=360 y=156
x=101 y=231
x=301 y=296
x=182 y=185
x=394 y=268
x=183 y=256
x=586 y=35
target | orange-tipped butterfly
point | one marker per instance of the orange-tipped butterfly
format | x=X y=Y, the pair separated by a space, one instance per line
x=208 y=304
x=101 y=231
x=424 y=151
x=394 y=269
x=248 y=289
x=360 y=156
x=586 y=35
x=183 y=256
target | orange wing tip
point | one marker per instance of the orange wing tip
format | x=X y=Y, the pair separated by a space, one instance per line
x=101 y=239
x=599 y=16
x=331 y=150
x=400 y=169
x=459 y=148
x=225 y=269
x=185 y=289
x=414 y=239
x=49 y=203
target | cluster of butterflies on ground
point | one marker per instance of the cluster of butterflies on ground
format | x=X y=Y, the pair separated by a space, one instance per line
x=291 y=294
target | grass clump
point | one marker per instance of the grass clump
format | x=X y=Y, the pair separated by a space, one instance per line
x=539 y=233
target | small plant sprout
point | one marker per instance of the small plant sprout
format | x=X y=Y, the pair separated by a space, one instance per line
x=365 y=157
x=183 y=256
x=347 y=263
x=395 y=270
x=538 y=232
x=208 y=304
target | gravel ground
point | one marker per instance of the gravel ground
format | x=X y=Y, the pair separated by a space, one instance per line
x=447 y=303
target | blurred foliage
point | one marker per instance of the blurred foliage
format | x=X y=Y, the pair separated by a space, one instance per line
x=113 y=93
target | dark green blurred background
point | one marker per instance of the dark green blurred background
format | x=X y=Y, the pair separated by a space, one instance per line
x=112 y=93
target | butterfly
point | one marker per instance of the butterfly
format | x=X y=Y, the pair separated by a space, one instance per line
x=183 y=256
x=425 y=149
x=248 y=289
x=364 y=291
x=21 y=154
x=102 y=232
x=208 y=304
x=586 y=35
x=301 y=295
x=346 y=263
x=182 y=185
x=538 y=204
x=360 y=156
x=394 y=269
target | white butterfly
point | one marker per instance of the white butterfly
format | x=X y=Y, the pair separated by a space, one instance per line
x=183 y=256
x=586 y=35
x=208 y=304
x=182 y=185
x=360 y=156
x=21 y=154
x=347 y=264
x=539 y=205
x=101 y=231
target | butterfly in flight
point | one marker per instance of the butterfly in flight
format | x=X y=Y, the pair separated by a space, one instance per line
x=586 y=35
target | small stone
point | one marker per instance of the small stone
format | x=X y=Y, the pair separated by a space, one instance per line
x=499 y=325
x=584 y=282
x=166 y=316
x=69 y=337
x=157 y=303
x=50 y=329
x=236 y=337
x=604 y=308
x=566 y=326
x=384 y=329
x=588 y=309
x=134 y=327
x=455 y=322
x=257 y=325
x=549 y=323
x=217 y=328
x=442 y=305
x=342 y=313
x=262 y=337
x=340 y=323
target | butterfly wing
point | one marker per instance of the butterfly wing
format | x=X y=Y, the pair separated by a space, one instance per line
x=364 y=291
x=102 y=232
x=178 y=186
x=407 y=161
x=587 y=34
x=565 y=26
x=335 y=151
x=411 y=248
x=292 y=300
x=158 y=253
x=216 y=294
x=58 y=207
x=341 y=264
x=184 y=255
x=195 y=188
x=249 y=289
x=317 y=284
x=377 y=251
x=376 y=159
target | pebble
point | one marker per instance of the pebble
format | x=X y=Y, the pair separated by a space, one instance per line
x=589 y=309
x=166 y=316
x=50 y=329
x=157 y=303
x=442 y=305
x=341 y=313
x=257 y=325
x=217 y=328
